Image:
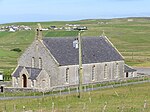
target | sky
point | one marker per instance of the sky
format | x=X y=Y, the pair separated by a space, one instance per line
x=68 y=10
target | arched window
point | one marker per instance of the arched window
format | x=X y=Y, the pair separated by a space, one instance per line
x=117 y=71
x=93 y=73
x=105 y=71
x=33 y=62
x=43 y=85
x=40 y=63
x=67 y=75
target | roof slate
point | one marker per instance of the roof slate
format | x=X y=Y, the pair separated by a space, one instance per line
x=33 y=72
x=17 y=71
x=128 y=69
x=94 y=50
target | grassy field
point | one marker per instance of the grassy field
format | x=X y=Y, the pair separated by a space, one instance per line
x=134 y=98
x=132 y=39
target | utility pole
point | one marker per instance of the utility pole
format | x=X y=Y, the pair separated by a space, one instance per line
x=78 y=44
x=80 y=63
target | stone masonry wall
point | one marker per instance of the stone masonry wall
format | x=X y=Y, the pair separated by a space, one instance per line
x=87 y=73
x=38 y=50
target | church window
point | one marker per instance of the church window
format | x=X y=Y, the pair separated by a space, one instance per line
x=117 y=71
x=93 y=72
x=33 y=62
x=67 y=75
x=40 y=63
x=105 y=71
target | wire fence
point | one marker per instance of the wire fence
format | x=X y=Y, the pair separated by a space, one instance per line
x=30 y=92
x=72 y=90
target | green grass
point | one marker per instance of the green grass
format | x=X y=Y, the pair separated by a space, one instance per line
x=61 y=34
x=127 y=99
x=130 y=38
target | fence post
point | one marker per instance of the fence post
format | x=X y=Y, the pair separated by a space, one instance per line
x=60 y=91
x=14 y=107
x=68 y=108
x=92 y=87
x=145 y=105
x=120 y=83
x=69 y=90
x=85 y=88
x=77 y=90
x=24 y=108
x=90 y=99
x=53 y=106
x=143 y=78
x=104 y=108
x=39 y=104
x=5 y=108
x=43 y=94
x=84 y=107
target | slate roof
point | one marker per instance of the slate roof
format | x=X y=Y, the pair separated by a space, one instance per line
x=128 y=69
x=94 y=50
x=33 y=72
x=17 y=72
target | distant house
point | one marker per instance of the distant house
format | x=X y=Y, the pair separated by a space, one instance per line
x=53 y=62
x=27 y=28
x=45 y=29
x=52 y=27
x=11 y=30
x=1 y=77
x=130 y=20
x=80 y=27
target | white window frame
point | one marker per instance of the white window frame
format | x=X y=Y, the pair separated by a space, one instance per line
x=117 y=71
x=40 y=63
x=93 y=73
x=67 y=75
x=33 y=62
x=105 y=71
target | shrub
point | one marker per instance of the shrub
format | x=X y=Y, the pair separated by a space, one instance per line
x=16 y=50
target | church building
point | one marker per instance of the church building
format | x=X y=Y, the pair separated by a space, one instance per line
x=51 y=62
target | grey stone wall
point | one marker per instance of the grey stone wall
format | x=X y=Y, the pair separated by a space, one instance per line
x=11 y=89
x=73 y=75
x=6 y=83
x=50 y=65
x=43 y=81
x=87 y=73
x=38 y=50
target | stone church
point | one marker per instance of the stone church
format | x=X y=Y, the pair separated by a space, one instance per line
x=53 y=62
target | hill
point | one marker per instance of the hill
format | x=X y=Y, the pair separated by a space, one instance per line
x=131 y=36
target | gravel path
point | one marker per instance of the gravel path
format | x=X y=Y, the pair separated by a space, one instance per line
x=142 y=70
